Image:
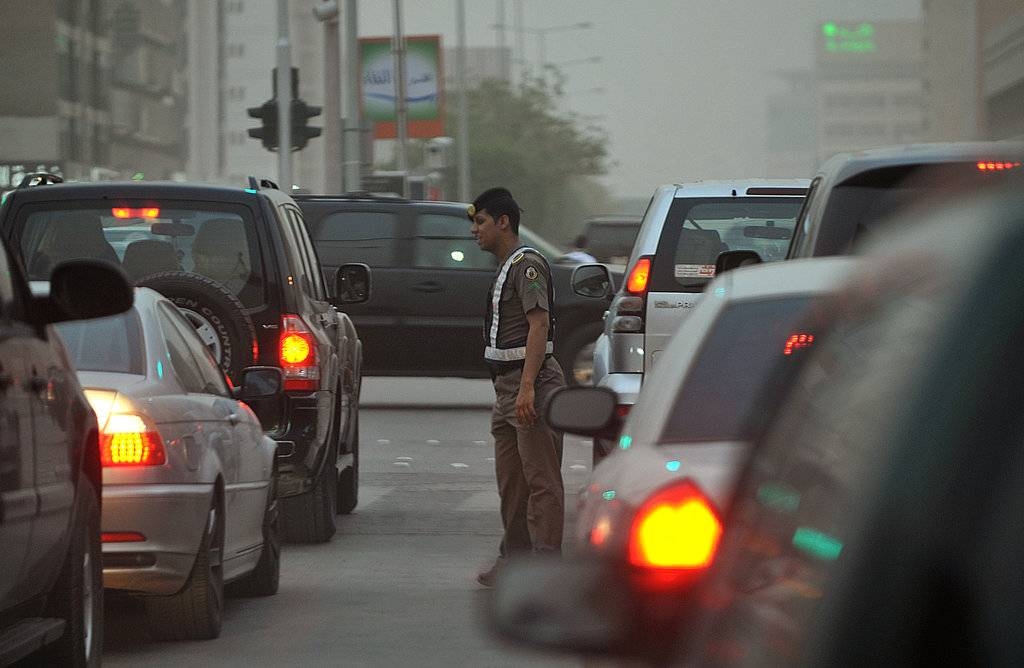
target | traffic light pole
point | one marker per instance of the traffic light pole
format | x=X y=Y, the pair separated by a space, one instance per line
x=284 y=99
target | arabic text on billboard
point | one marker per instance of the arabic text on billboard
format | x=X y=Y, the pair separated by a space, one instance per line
x=424 y=92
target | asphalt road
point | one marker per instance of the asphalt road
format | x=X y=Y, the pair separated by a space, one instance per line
x=396 y=586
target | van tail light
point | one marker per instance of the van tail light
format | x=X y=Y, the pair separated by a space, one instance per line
x=130 y=440
x=122 y=537
x=297 y=355
x=797 y=341
x=622 y=410
x=676 y=529
x=639 y=277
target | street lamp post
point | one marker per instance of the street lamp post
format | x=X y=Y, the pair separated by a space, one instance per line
x=542 y=34
x=327 y=13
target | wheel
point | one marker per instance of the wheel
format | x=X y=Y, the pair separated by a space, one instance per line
x=576 y=354
x=195 y=612
x=265 y=578
x=348 y=480
x=309 y=517
x=77 y=596
x=219 y=318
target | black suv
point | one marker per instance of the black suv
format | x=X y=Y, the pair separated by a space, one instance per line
x=425 y=316
x=51 y=578
x=239 y=264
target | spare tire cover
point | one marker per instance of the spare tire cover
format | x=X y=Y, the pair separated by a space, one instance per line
x=218 y=316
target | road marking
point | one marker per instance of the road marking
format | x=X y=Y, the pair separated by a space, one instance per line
x=403 y=459
x=383 y=441
x=578 y=467
x=402 y=464
x=433 y=441
x=489 y=459
x=460 y=465
x=479 y=442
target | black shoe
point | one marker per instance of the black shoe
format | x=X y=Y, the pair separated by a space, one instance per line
x=488 y=577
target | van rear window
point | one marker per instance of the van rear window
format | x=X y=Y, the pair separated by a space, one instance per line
x=696 y=230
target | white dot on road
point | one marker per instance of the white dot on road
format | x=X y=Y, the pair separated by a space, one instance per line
x=490 y=459
x=578 y=467
x=433 y=441
x=460 y=465
x=479 y=442
x=383 y=441
x=403 y=459
x=402 y=464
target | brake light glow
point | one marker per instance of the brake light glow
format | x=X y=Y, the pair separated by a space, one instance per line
x=122 y=537
x=677 y=528
x=797 y=341
x=128 y=440
x=123 y=212
x=638 y=278
x=297 y=354
x=997 y=166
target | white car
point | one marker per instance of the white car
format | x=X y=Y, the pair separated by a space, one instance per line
x=655 y=501
x=685 y=228
x=188 y=495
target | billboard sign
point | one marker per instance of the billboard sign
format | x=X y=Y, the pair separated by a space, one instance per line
x=424 y=89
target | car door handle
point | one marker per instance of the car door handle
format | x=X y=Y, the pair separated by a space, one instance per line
x=428 y=286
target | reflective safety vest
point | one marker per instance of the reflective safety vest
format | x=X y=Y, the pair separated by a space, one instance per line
x=515 y=351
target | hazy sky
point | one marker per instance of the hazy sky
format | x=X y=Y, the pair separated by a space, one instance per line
x=685 y=80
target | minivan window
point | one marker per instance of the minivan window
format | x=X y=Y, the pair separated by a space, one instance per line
x=696 y=230
x=357 y=236
x=213 y=239
x=743 y=346
x=444 y=242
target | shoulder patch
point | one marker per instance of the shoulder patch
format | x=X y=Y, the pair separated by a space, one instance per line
x=518 y=258
x=531 y=273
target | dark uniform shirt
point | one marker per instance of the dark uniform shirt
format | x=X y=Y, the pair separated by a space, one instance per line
x=523 y=283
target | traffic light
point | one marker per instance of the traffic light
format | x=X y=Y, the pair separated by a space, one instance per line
x=301 y=131
x=268 y=132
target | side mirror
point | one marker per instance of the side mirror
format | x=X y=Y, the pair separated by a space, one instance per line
x=352 y=284
x=262 y=389
x=591 y=280
x=588 y=411
x=84 y=289
x=729 y=260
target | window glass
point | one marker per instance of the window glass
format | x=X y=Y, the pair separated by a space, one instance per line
x=185 y=368
x=357 y=236
x=445 y=242
x=309 y=259
x=212 y=239
x=209 y=371
x=6 y=285
x=299 y=268
x=697 y=230
x=718 y=396
x=113 y=344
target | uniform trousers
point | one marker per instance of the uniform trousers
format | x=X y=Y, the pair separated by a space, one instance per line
x=528 y=466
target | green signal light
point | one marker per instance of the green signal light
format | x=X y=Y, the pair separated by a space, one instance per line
x=829 y=29
x=817 y=544
x=609 y=495
x=625 y=441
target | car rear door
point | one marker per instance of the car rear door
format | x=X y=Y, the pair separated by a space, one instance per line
x=446 y=291
x=17 y=485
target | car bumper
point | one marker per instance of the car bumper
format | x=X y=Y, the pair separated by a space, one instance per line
x=299 y=449
x=170 y=517
x=625 y=385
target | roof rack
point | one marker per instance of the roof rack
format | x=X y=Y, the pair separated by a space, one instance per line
x=39 y=179
x=257 y=184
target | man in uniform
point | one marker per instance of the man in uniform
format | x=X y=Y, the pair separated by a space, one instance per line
x=518 y=333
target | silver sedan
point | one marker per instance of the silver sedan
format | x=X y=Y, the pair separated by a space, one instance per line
x=188 y=495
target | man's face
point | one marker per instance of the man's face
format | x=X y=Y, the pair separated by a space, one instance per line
x=486 y=230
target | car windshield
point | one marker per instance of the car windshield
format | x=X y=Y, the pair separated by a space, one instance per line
x=746 y=342
x=611 y=242
x=697 y=230
x=111 y=344
x=215 y=240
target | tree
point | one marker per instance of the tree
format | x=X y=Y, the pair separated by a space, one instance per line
x=518 y=139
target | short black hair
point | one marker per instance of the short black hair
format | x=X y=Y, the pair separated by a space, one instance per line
x=499 y=202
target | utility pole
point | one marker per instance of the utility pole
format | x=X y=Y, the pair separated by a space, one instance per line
x=284 y=99
x=401 y=115
x=327 y=13
x=353 y=133
x=462 y=142
x=520 y=35
x=504 y=66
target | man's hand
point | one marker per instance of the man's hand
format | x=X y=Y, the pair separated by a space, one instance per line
x=525 y=412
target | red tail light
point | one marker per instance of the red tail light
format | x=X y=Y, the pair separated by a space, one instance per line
x=297 y=354
x=129 y=440
x=997 y=166
x=122 y=537
x=637 y=282
x=622 y=410
x=677 y=528
x=797 y=341
x=123 y=212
